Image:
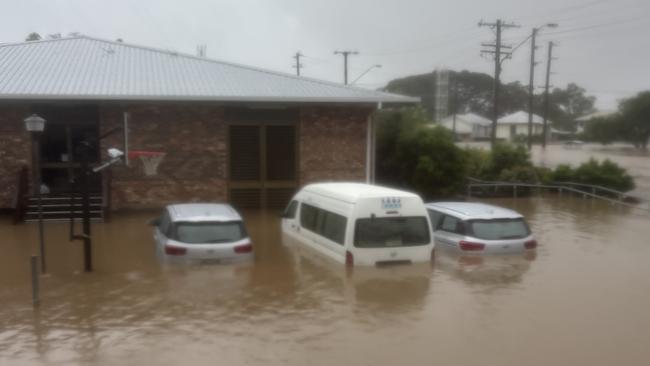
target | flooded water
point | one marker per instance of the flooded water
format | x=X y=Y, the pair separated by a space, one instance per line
x=581 y=299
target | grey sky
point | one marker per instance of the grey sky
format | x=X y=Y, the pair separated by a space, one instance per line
x=603 y=45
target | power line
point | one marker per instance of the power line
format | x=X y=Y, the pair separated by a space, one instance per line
x=601 y=25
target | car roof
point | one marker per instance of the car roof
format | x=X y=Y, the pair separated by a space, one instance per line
x=203 y=212
x=352 y=192
x=474 y=210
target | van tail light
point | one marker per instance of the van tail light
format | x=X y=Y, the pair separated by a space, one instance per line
x=245 y=248
x=531 y=244
x=349 y=259
x=433 y=254
x=471 y=246
x=173 y=250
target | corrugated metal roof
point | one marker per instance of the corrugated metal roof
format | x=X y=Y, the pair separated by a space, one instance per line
x=85 y=68
x=520 y=118
x=470 y=118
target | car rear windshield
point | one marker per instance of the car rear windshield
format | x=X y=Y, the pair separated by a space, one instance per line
x=387 y=232
x=499 y=229
x=209 y=232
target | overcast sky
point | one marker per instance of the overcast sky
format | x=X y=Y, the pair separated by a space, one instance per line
x=603 y=45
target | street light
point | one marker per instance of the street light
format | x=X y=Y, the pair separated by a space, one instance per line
x=365 y=72
x=35 y=125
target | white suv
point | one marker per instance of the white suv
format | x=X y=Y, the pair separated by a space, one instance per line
x=479 y=228
x=201 y=232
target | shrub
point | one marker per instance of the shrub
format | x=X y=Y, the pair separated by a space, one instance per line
x=563 y=173
x=477 y=162
x=415 y=154
x=507 y=157
x=607 y=174
x=519 y=174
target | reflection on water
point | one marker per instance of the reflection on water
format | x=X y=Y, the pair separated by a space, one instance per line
x=581 y=298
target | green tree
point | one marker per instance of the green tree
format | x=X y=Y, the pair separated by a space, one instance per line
x=33 y=37
x=635 y=120
x=603 y=130
x=413 y=153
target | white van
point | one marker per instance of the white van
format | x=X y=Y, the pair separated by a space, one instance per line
x=360 y=224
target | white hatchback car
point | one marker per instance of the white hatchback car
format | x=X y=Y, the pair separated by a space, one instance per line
x=202 y=232
x=479 y=228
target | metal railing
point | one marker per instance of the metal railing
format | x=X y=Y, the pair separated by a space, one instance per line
x=559 y=187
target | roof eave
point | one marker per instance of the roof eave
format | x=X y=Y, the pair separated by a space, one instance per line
x=172 y=98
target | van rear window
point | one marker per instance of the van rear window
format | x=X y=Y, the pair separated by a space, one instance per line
x=387 y=232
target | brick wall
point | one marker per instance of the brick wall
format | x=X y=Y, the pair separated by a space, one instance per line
x=193 y=136
x=333 y=144
x=14 y=150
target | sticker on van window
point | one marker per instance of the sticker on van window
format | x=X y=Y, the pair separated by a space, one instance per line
x=391 y=203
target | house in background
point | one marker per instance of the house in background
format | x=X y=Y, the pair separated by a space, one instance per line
x=582 y=122
x=230 y=132
x=469 y=126
x=508 y=127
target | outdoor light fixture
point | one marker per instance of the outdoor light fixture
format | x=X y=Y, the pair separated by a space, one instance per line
x=34 y=123
x=115 y=155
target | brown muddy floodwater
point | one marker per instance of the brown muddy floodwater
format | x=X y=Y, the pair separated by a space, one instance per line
x=582 y=299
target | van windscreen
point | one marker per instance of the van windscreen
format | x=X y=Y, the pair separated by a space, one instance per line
x=387 y=232
x=209 y=232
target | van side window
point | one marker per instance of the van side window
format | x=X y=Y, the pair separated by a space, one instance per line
x=435 y=217
x=308 y=217
x=333 y=227
x=290 y=211
x=452 y=225
x=324 y=223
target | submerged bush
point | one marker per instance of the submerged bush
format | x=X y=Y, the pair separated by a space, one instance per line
x=607 y=174
x=415 y=154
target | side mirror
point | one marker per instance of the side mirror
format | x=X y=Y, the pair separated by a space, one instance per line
x=154 y=222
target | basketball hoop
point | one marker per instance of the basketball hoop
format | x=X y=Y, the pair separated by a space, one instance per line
x=150 y=160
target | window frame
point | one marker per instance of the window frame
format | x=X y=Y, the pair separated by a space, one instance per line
x=355 y=239
x=456 y=231
x=319 y=222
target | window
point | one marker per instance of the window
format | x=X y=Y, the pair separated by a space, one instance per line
x=308 y=217
x=324 y=223
x=452 y=225
x=388 y=232
x=209 y=232
x=501 y=229
x=435 y=217
x=333 y=227
x=290 y=211
x=164 y=224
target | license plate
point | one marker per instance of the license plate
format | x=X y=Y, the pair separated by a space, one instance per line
x=210 y=261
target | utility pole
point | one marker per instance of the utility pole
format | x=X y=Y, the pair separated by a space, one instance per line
x=454 y=106
x=345 y=62
x=531 y=87
x=496 y=50
x=548 y=78
x=298 y=65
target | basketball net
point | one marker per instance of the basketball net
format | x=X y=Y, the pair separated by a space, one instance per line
x=150 y=160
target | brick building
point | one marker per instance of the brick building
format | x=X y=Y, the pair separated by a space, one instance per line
x=230 y=132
